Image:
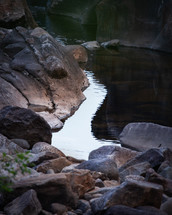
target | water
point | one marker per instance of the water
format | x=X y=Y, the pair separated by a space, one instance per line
x=76 y=138
x=127 y=85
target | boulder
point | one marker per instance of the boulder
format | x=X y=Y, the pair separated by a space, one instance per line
x=55 y=164
x=15 y=13
x=45 y=147
x=167 y=207
x=127 y=194
x=16 y=122
x=106 y=166
x=78 y=52
x=119 y=154
x=111 y=44
x=27 y=203
x=22 y=143
x=143 y=136
x=91 y=45
x=8 y=146
x=39 y=74
x=59 y=209
x=153 y=156
x=122 y=209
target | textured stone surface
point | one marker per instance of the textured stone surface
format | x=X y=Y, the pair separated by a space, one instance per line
x=130 y=193
x=16 y=122
x=143 y=136
x=38 y=73
x=27 y=203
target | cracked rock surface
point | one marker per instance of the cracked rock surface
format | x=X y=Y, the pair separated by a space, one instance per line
x=36 y=72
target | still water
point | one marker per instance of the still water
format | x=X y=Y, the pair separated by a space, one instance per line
x=126 y=85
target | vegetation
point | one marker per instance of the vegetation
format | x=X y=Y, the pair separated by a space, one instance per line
x=10 y=166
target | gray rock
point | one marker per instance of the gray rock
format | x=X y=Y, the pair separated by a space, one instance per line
x=83 y=205
x=127 y=194
x=153 y=156
x=143 y=136
x=45 y=147
x=167 y=172
x=99 y=183
x=8 y=146
x=27 y=203
x=58 y=208
x=167 y=207
x=91 y=45
x=125 y=210
x=22 y=143
x=106 y=166
x=16 y=122
x=119 y=154
x=111 y=44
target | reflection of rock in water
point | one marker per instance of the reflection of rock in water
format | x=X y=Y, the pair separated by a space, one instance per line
x=138 y=84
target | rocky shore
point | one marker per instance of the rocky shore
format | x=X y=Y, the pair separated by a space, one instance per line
x=114 y=180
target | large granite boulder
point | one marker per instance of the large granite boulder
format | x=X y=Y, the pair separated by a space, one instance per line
x=143 y=136
x=15 y=13
x=16 y=122
x=38 y=73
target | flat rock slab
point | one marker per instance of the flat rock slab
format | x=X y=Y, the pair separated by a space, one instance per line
x=143 y=136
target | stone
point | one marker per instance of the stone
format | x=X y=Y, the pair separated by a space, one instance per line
x=45 y=147
x=167 y=172
x=167 y=207
x=91 y=45
x=106 y=166
x=143 y=136
x=8 y=146
x=111 y=183
x=69 y=168
x=99 y=183
x=55 y=164
x=42 y=156
x=83 y=205
x=58 y=208
x=39 y=74
x=81 y=181
x=111 y=44
x=127 y=194
x=50 y=188
x=78 y=52
x=22 y=143
x=137 y=169
x=14 y=13
x=27 y=203
x=119 y=154
x=16 y=122
x=122 y=209
x=153 y=156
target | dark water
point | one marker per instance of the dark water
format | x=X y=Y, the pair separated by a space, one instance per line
x=138 y=82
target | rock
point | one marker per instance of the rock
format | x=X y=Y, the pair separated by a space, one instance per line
x=99 y=183
x=83 y=205
x=38 y=73
x=42 y=156
x=153 y=177
x=45 y=147
x=27 y=203
x=167 y=207
x=153 y=156
x=127 y=194
x=58 y=208
x=106 y=166
x=167 y=173
x=111 y=183
x=69 y=168
x=22 y=143
x=78 y=52
x=16 y=122
x=111 y=44
x=137 y=169
x=55 y=164
x=50 y=188
x=8 y=146
x=91 y=45
x=15 y=13
x=81 y=181
x=125 y=210
x=44 y=212
x=119 y=154
x=143 y=136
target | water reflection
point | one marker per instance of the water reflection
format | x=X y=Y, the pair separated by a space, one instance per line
x=139 y=85
x=76 y=138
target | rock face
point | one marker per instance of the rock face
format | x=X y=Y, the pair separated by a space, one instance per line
x=143 y=136
x=23 y=123
x=128 y=20
x=14 y=13
x=38 y=73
